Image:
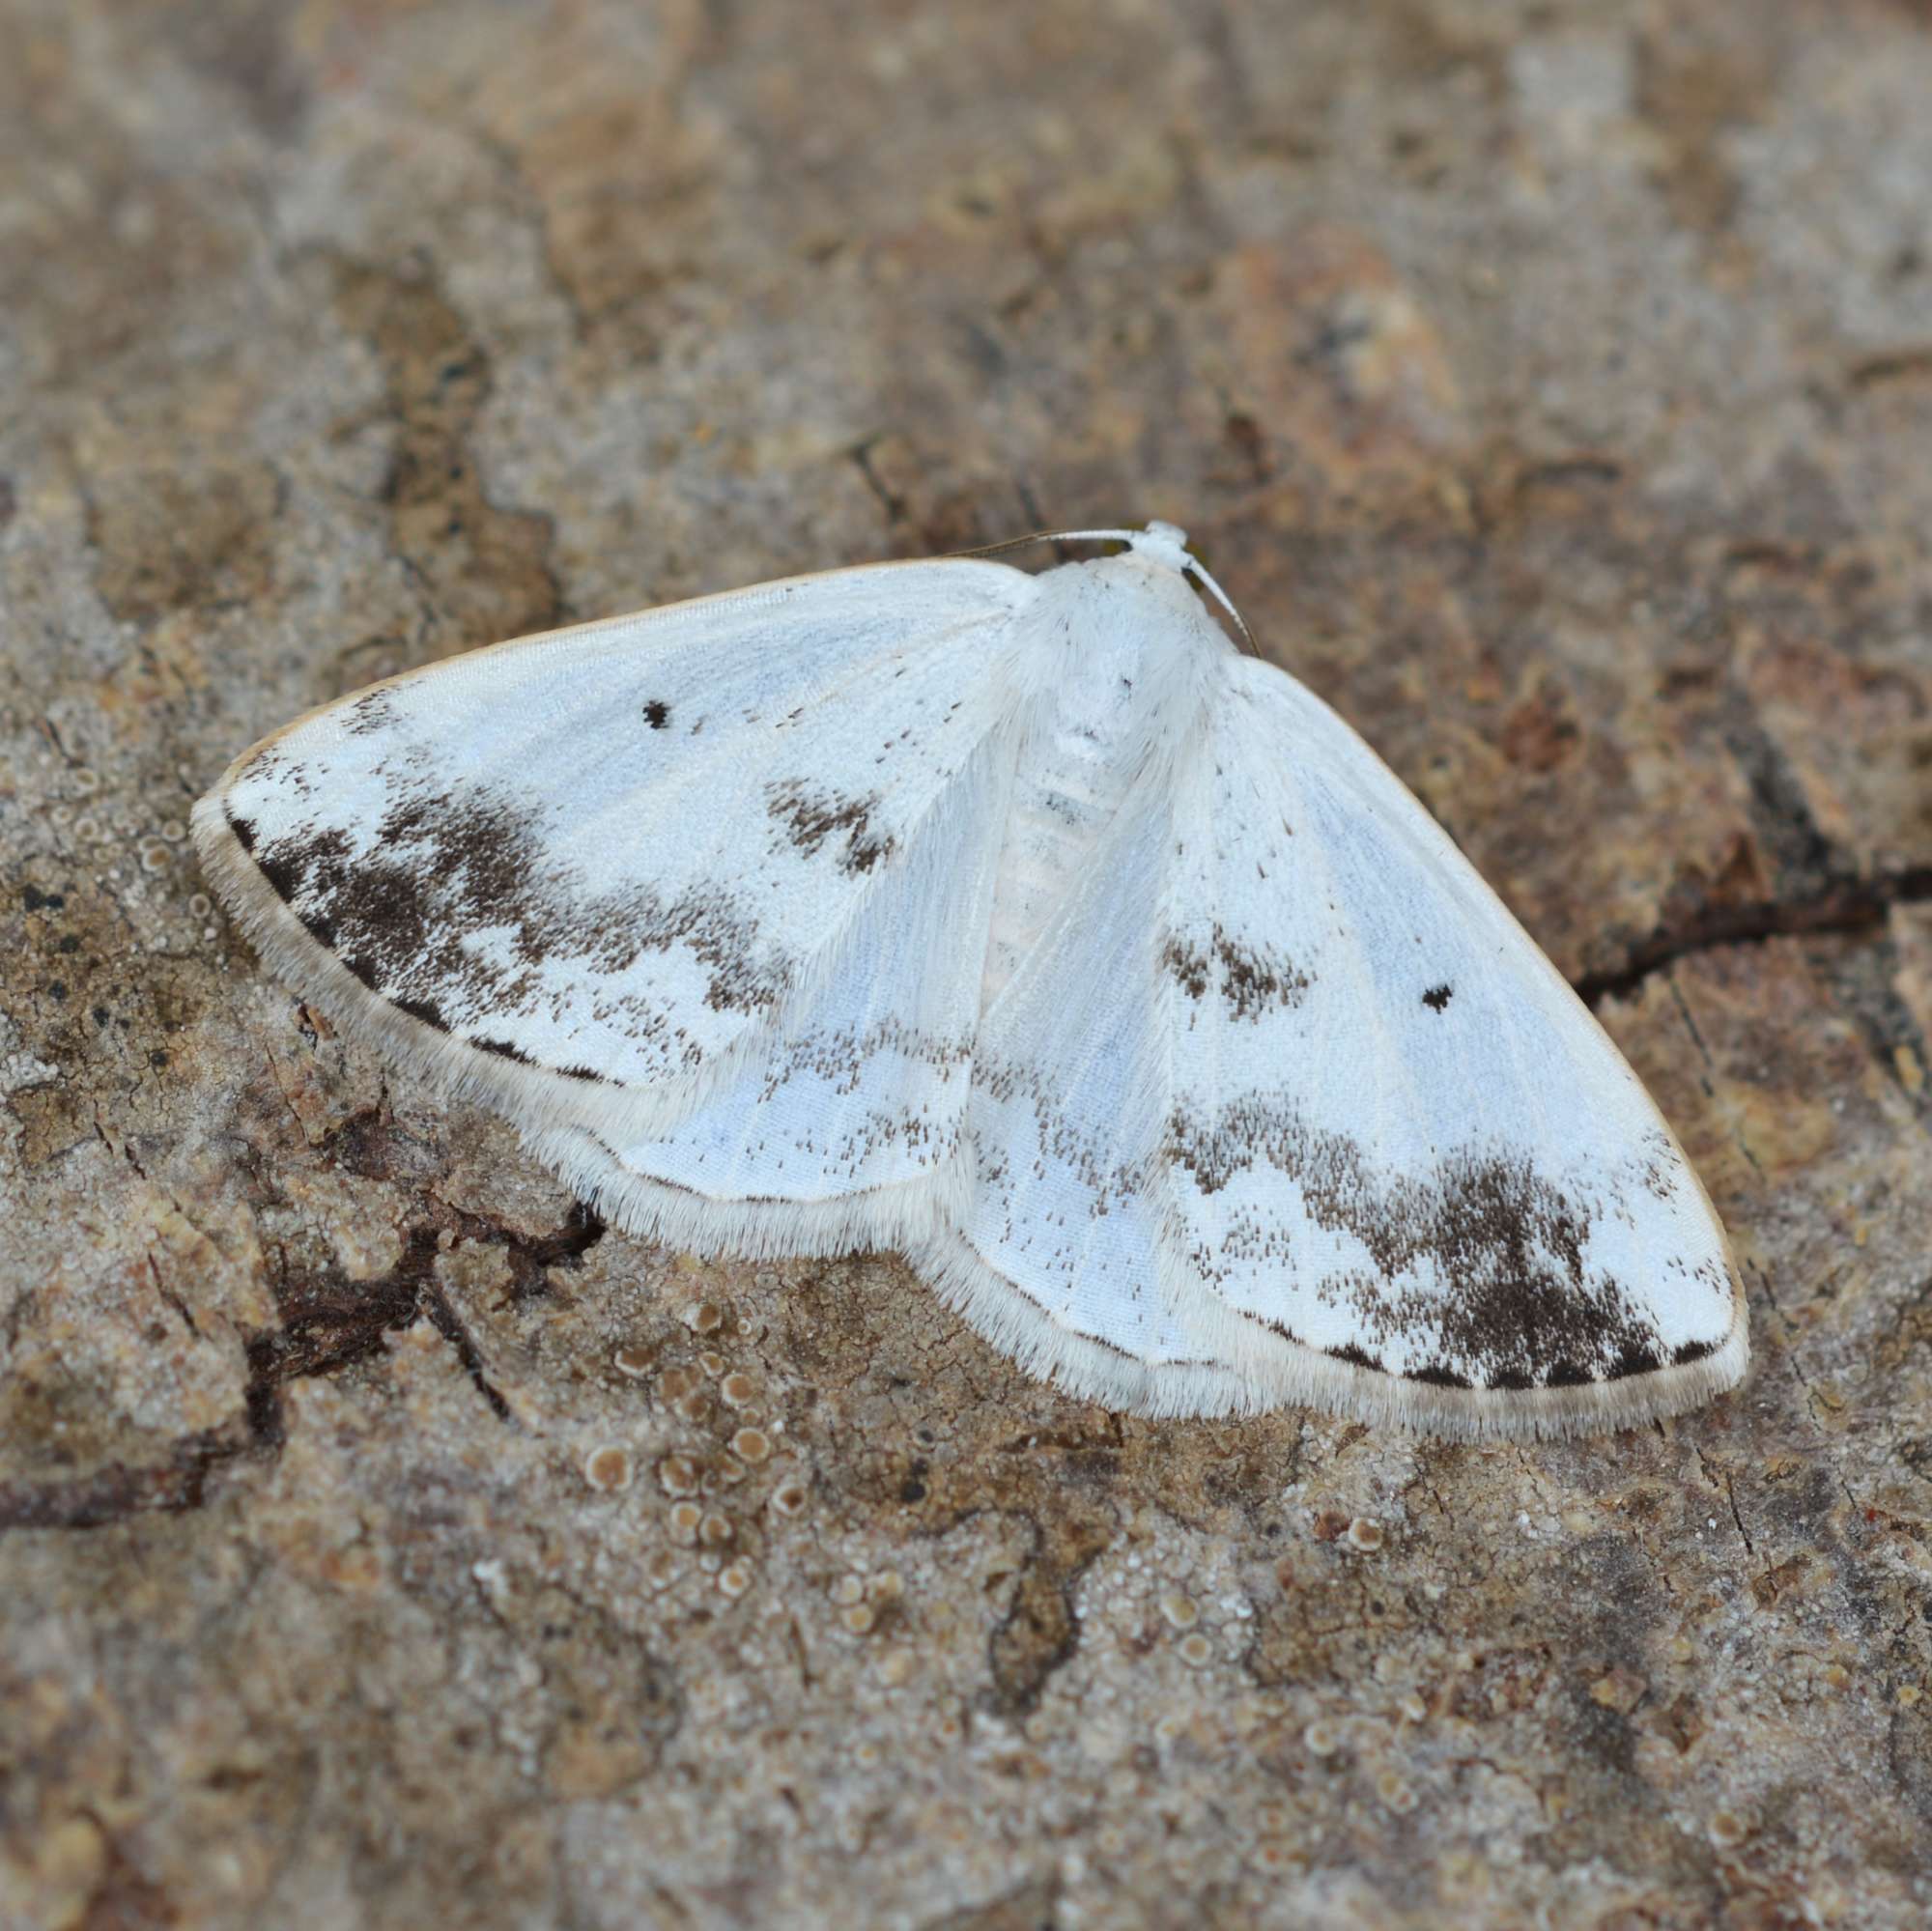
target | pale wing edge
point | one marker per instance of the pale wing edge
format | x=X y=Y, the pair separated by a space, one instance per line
x=1017 y=1325
x=533 y=1097
x=900 y=1214
x=1292 y=1372
x=1023 y=1328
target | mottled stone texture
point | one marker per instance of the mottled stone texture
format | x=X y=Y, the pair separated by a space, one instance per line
x=383 y=1543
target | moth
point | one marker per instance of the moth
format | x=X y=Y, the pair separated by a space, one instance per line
x=1025 y=925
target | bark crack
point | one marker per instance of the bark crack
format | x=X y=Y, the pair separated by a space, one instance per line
x=1842 y=907
x=328 y=1323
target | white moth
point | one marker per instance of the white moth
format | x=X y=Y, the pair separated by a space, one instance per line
x=1021 y=924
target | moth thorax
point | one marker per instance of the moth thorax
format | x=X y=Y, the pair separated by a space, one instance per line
x=1082 y=764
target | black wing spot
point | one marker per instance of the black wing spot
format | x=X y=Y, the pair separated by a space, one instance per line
x=1437 y=997
x=1437 y=1377
x=425 y=1009
x=1693 y=1350
x=656 y=713
x=1567 y=1375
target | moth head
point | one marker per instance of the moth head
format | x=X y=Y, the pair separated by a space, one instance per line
x=1163 y=543
x=1160 y=548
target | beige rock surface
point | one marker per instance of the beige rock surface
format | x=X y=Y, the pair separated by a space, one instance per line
x=385 y=1544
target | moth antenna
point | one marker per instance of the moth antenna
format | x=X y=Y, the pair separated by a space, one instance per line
x=1201 y=576
x=1047 y=536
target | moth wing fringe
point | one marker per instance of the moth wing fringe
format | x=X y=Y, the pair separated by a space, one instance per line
x=895 y=1216
x=1293 y=1375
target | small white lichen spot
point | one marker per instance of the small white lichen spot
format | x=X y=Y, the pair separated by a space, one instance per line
x=790 y=1498
x=734 y=1578
x=1180 y=1611
x=684 y=1520
x=1089 y=978
x=678 y=1475
x=1364 y=1534
x=607 y=1468
x=751 y=1444
x=1727 y=1830
x=632 y=1361
x=1321 y=1739
x=1398 y=1794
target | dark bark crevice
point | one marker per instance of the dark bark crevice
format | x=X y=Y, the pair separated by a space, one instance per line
x=328 y=1323
x=1840 y=907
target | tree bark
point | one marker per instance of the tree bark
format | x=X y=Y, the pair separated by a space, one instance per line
x=383 y=1541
